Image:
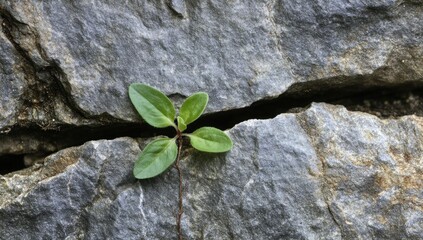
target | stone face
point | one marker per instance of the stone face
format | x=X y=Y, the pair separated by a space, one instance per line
x=325 y=173
x=372 y=176
x=238 y=52
x=12 y=83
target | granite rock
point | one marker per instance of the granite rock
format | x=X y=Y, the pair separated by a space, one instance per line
x=325 y=173
x=82 y=55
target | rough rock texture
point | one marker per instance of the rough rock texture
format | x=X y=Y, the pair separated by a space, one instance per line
x=70 y=62
x=325 y=173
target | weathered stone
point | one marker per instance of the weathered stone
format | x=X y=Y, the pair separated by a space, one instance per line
x=238 y=52
x=325 y=173
x=179 y=7
x=12 y=83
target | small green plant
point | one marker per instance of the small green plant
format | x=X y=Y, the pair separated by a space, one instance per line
x=158 y=111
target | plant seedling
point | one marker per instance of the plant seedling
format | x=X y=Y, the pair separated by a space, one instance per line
x=158 y=111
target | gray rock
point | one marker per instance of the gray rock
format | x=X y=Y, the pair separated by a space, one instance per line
x=238 y=52
x=179 y=7
x=12 y=83
x=325 y=173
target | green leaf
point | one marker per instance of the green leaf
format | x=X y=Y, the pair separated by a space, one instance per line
x=156 y=157
x=181 y=124
x=193 y=107
x=153 y=106
x=209 y=139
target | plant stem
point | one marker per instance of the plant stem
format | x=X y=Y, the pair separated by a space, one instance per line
x=180 y=209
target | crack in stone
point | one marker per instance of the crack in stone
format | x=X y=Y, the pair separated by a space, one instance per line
x=395 y=102
x=325 y=183
x=47 y=83
x=333 y=217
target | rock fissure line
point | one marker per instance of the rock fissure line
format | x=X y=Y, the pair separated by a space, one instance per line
x=39 y=131
x=326 y=187
x=334 y=219
x=36 y=142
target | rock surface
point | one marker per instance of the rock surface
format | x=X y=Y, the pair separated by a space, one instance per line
x=70 y=62
x=325 y=173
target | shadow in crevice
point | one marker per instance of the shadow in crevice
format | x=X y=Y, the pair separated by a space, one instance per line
x=10 y=163
x=385 y=102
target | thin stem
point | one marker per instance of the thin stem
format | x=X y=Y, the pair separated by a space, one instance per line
x=180 y=209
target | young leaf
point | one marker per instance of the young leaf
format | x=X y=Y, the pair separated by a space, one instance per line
x=209 y=139
x=181 y=124
x=156 y=157
x=193 y=107
x=153 y=106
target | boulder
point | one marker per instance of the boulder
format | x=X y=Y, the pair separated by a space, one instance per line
x=325 y=173
x=80 y=57
x=317 y=173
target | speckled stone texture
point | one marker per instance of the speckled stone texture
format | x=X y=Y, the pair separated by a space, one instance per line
x=70 y=62
x=325 y=173
x=322 y=173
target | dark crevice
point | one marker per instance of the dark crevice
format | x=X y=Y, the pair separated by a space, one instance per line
x=47 y=90
x=34 y=139
x=10 y=163
x=385 y=102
